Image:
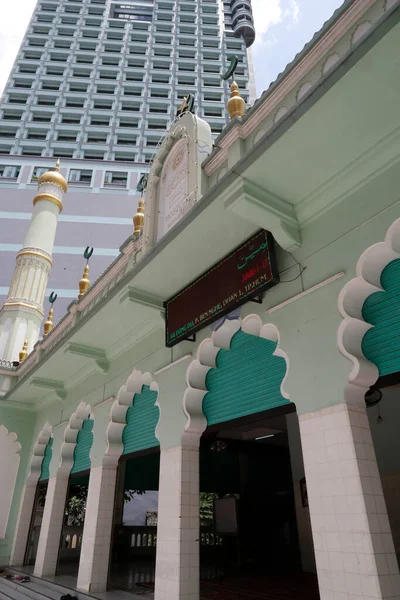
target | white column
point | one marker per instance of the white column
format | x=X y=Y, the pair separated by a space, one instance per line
x=97 y=530
x=178 y=531
x=52 y=523
x=302 y=512
x=353 y=543
x=23 y=524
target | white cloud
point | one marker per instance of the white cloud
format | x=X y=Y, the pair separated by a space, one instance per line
x=13 y=23
x=266 y=13
x=270 y=12
x=294 y=10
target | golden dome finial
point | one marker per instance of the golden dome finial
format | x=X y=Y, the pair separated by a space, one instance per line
x=138 y=219
x=54 y=177
x=24 y=352
x=48 y=325
x=236 y=105
x=84 y=283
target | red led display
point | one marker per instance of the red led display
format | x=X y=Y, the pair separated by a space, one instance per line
x=243 y=274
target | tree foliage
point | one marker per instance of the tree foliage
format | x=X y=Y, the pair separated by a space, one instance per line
x=207 y=508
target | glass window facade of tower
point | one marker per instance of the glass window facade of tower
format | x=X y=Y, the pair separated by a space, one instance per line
x=102 y=79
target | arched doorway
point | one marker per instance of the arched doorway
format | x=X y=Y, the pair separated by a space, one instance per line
x=75 y=505
x=53 y=544
x=38 y=506
x=132 y=564
x=248 y=509
x=38 y=474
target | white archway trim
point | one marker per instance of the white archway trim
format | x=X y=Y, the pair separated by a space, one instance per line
x=330 y=62
x=303 y=89
x=124 y=400
x=9 y=464
x=206 y=359
x=360 y=30
x=281 y=112
x=350 y=302
x=389 y=4
x=38 y=454
x=70 y=437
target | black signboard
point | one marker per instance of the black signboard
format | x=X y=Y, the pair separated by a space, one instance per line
x=243 y=274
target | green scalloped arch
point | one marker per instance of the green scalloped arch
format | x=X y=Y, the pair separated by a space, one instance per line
x=48 y=453
x=141 y=421
x=83 y=446
x=247 y=380
x=381 y=344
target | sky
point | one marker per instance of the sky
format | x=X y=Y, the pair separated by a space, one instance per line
x=283 y=27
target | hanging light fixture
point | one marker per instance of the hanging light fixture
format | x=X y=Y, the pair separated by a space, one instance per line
x=373 y=396
x=218 y=446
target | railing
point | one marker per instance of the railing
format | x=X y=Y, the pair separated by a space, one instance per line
x=130 y=540
x=143 y=537
x=209 y=538
x=71 y=542
x=7 y=364
x=143 y=540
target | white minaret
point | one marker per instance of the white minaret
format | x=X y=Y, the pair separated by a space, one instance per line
x=22 y=312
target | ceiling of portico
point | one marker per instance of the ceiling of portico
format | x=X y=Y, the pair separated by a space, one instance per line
x=119 y=326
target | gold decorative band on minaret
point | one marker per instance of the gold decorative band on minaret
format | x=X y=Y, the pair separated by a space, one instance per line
x=49 y=198
x=24 y=252
x=25 y=305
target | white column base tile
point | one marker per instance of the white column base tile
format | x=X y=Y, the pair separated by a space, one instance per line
x=353 y=544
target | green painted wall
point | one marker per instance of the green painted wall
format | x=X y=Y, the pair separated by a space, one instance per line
x=247 y=379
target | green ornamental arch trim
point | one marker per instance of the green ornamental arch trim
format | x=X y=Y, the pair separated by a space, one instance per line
x=141 y=422
x=48 y=454
x=217 y=387
x=381 y=343
x=134 y=416
x=39 y=450
x=71 y=433
x=247 y=379
x=370 y=312
x=84 y=442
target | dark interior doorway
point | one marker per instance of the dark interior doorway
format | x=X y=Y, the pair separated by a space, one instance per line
x=133 y=553
x=249 y=537
x=36 y=523
x=74 y=519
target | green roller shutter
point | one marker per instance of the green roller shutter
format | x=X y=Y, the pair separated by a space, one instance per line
x=141 y=421
x=381 y=343
x=83 y=446
x=247 y=380
x=48 y=453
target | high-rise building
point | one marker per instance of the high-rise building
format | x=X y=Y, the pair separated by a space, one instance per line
x=96 y=83
x=101 y=79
